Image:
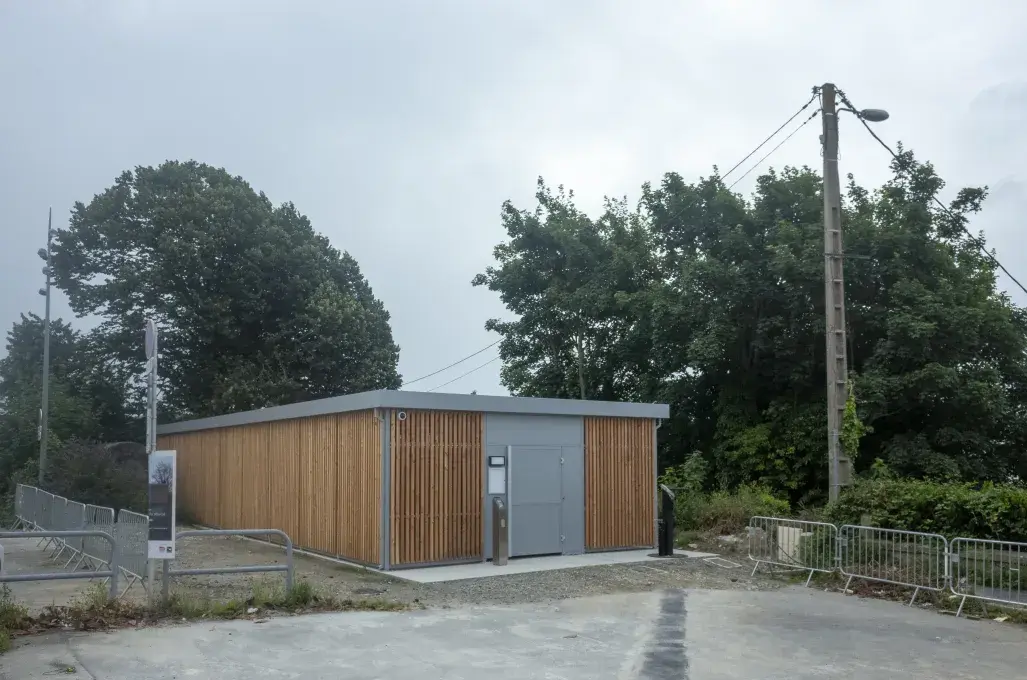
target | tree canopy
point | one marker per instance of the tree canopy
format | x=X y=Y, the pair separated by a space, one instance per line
x=85 y=401
x=254 y=307
x=715 y=304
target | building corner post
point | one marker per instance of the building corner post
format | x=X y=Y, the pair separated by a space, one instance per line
x=384 y=417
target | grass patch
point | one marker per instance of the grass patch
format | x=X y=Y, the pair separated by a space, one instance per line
x=92 y=611
x=12 y=617
x=270 y=597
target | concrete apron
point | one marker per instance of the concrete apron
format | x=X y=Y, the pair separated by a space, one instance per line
x=526 y=565
x=698 y=635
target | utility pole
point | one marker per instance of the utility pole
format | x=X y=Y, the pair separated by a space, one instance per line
x=834 y=297
x=150 y=345
x=44 y=411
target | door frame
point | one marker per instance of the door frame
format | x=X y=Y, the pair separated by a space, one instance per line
x=510 y=501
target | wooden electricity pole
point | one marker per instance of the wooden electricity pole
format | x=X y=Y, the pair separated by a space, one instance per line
x=834 y=297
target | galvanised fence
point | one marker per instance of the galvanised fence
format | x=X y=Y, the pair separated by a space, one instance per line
x=41 y=511
x=969 y=568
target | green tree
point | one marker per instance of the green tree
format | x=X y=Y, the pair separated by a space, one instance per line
x=572 y=282
x=724 y=319
x=85 y=402
x=254 y=307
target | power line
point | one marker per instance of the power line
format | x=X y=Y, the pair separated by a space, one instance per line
x=772 y=135
x=770 y=153
x=455 y=363
x=476 y=368
x=722 y=178
x=958 y=219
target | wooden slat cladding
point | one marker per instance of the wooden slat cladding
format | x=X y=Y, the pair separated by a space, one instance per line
x=436 y=487
x=318 y=479
x=620 y=483
x=284 y=463
x=359 y=483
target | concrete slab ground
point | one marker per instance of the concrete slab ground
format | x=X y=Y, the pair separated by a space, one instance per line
x=527 y=565
x=22 y=556
x=792 y=634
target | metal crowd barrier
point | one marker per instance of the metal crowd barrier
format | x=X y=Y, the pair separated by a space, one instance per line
x=80 y=536
x=989 y=571
x=19 y=505
x=132 y=532
x=912 y=559
x=905 y=558
x=54 y=522
x=73 y=519
x=96 y=553
x=111 y=574
x=792 y=544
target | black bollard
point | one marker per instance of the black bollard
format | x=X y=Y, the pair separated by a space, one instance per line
x=666 y=542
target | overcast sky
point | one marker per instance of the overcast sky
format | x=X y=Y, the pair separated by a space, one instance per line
x=400 y=127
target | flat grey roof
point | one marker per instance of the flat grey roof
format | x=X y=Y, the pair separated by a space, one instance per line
x=424 y=400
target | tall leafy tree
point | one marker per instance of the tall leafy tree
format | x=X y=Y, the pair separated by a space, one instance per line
x=571 y=281
x=255 y=308
x=719 y=306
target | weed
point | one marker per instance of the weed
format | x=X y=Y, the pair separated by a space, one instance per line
x=12 y=614
x=92 y=611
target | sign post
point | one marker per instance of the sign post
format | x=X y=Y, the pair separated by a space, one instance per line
x=150 y=345
x=163 y=473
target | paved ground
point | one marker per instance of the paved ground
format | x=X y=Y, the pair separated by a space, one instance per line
x=22 y=556
x=673 y=635
x=534 y=565
x=520 y=585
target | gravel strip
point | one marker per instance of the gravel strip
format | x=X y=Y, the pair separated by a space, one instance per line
x=347 y=582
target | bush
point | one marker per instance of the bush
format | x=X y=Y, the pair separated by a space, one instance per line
x=726 y=511
x=689 y=476
x=986 y=511
x=113 y=475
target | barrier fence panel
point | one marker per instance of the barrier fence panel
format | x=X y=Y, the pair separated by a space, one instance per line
x=57 y=510
x=905 y=558
x=45 y=511
x=32 y=511
x=19 y=505
x=95 y=551
x=992 y=571
x=111 y=575
x=74 y=519
x=793 y=544
x=131 y=531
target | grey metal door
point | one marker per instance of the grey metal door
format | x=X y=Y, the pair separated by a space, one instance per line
x=535 y=501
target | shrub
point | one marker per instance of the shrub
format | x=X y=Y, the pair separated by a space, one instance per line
x=689 y=476
x=113 y=475
x=987 y=511
x=727 y=511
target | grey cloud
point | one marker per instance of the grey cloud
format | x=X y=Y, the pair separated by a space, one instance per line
x=400 y=127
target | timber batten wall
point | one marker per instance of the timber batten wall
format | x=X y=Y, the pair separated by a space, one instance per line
x=436 y=493
x=317 y=478
x=620 y=483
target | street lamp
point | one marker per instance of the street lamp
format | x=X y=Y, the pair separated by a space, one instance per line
x=872 y=115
